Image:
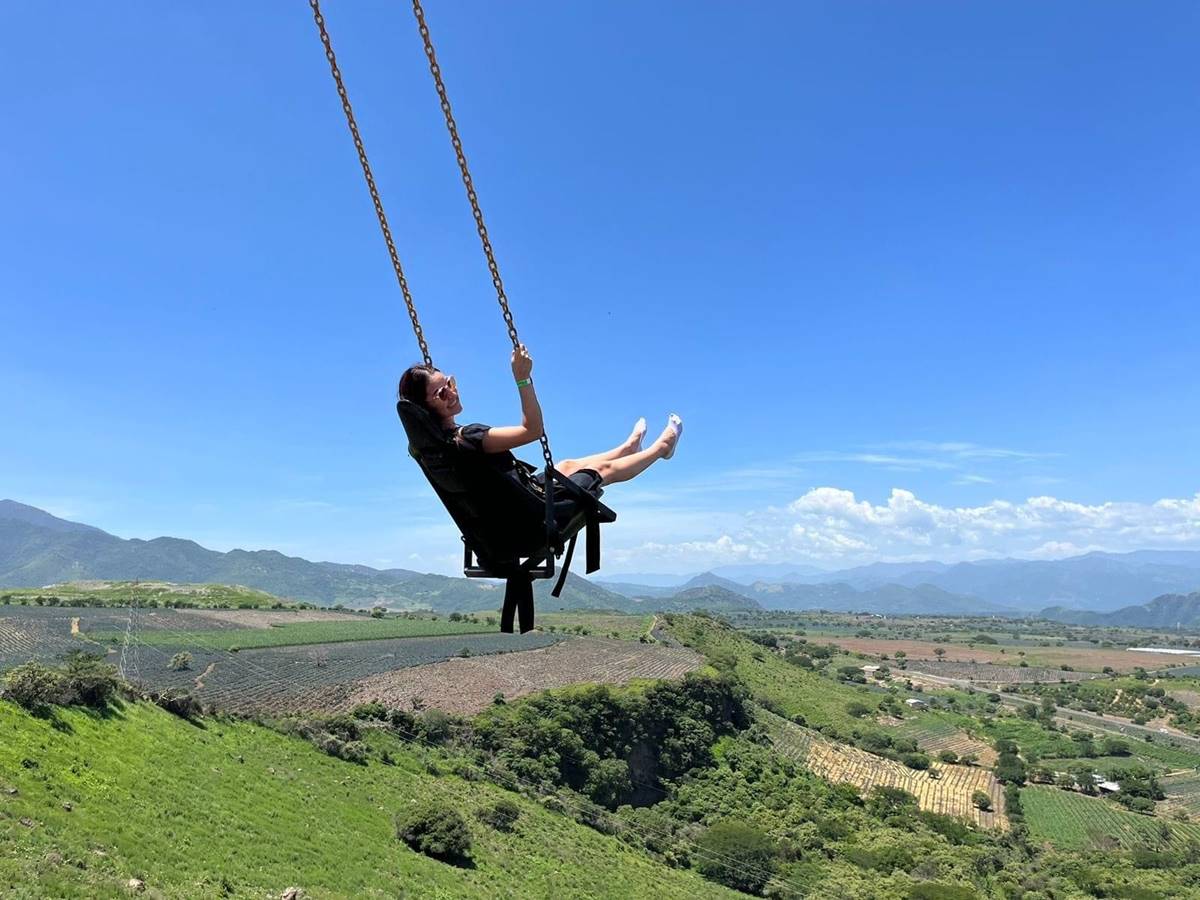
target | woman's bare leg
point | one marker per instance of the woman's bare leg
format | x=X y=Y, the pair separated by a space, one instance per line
x=623 y=468
x=570 y=466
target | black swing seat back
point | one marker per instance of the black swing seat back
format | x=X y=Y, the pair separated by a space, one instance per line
x=511 y=529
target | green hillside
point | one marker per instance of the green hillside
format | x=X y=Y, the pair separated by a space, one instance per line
x=232 y=808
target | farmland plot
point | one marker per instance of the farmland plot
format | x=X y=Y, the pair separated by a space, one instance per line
x=1076 y=821
x=466 y=686
x=934 y=736
x=950 y=793
x=278 y=679
x=1183 y=793
x=991 y=674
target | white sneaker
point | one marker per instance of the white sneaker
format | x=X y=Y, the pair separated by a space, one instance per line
x=675 y=424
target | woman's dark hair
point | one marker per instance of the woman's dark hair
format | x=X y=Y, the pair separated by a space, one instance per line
x=414 y=383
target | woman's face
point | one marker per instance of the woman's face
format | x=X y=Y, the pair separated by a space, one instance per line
x=441 y=394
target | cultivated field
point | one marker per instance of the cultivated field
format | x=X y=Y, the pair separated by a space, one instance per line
x=1183 y=793
x=465 y=686
x=984 y=673
x=1088 y=659
x=949 y=792
x=934 y=735
x=1076 y=821
x=276 y=679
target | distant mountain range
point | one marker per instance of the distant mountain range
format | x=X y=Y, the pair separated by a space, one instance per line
x=1101 y=582
x=37 y=549
x=1168 y=611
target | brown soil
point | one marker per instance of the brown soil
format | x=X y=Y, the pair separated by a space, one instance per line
x=466 y=686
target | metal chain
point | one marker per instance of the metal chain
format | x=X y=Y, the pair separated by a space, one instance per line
x=469 y=184
x=366 y=168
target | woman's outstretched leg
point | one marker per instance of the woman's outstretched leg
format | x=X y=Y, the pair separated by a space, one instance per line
x=624 y=468
x=633 y=444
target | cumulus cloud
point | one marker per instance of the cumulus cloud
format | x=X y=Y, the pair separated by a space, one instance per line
x=828 y=524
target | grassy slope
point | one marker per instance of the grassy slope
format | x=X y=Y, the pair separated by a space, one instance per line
x=175 y=805
x=788 y=687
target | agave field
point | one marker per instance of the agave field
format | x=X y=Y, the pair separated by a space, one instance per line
x=1076 y=821
x=274 y=679
x=950 y=791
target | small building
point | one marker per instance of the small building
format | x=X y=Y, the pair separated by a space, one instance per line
x=914 y=703
x=870 y=670
x=1108 y=787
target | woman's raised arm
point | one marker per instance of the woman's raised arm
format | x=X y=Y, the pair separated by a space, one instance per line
x=508 y=437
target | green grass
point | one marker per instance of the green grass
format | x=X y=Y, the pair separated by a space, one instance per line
x=145 y=593
x=307 y=633
x=626 y=627
x=788 y=688
x=1078 y=822
x=186 y=808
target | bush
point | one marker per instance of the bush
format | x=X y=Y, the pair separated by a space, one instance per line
x=87 y=681
x=180 y=662
x=917 y=761
x=948 y=756
x=501 y=815
x=34 y=686
x=178 y=703
x=736 y=855
x=981 y=800
x=436 y=831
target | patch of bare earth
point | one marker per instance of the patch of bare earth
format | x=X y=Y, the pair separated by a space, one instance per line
x=265 y=618
x=464 y=686
x=1190 y=699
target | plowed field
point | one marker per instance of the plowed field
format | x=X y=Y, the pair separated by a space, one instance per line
x=465 y=686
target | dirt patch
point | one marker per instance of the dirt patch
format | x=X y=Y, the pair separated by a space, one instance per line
x=74 y=626
x=200 y=678
x=266 y=618
x=466 y=686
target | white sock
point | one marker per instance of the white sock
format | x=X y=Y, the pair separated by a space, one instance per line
x=675 y=424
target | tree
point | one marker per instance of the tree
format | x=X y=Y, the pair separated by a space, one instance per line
x=737 y=855
x=939 y=652
x=181 y=662
x=981 y=801
x=436 y=831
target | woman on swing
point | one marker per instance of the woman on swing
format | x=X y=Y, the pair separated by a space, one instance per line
x=437 y=393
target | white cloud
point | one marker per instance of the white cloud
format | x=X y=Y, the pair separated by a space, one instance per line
x=832 y=525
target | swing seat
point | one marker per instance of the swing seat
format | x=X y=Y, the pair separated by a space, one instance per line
x=511 y=528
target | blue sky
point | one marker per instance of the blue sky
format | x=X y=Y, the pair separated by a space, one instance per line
x=901 y=267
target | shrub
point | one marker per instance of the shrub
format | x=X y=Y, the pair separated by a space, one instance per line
x=736 y=855
x=501 y=815
x=34 y=685
x=180 y=662
x=981 y=800
x=917 y=761
x=436 y=831
x=179 y=703
x=948 y=756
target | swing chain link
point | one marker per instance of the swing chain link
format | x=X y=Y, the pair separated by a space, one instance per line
x=370 y=178
x=472 y=197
